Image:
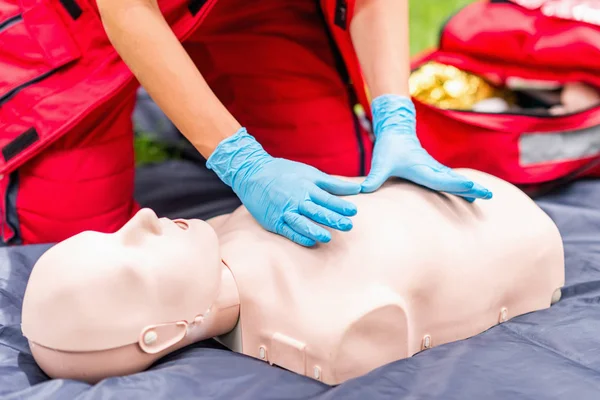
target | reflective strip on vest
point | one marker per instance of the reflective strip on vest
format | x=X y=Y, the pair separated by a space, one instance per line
x=535 y=148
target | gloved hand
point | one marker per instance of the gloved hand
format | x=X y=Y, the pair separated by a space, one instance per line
x=285 y=197
x=399 y=153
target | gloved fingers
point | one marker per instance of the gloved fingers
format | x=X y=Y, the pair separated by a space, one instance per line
x=471 y=195
x=444 y=181
x=374 y=180
x=306 y=227
x=325 y=216
x=333 y=203
x=337 y=186
x=477 y=190
x=287 y=232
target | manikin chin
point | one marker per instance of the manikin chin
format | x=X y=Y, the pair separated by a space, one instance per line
x=419 y=269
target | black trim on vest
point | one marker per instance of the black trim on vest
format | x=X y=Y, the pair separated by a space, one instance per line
x=195 y=6
x=72 y=8
x=20 y=143
x=11 y=217
x=342 y=69
x=341 y=14
x=10 y=22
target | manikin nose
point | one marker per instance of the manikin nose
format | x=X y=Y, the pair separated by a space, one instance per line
x=147 y=219
x=143 y=223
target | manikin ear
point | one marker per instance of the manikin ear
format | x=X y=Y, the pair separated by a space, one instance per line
x=156 y=338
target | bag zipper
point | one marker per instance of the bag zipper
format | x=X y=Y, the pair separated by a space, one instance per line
x=11 y=93
x=10 y=22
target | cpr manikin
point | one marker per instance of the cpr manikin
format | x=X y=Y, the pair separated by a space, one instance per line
x=418 y=269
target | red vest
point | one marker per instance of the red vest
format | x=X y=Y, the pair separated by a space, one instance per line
x=63 y=71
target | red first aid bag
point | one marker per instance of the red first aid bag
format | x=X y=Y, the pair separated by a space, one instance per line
x=547 y=42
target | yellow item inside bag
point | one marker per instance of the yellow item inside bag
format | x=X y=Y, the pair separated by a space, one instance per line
x=448 y=87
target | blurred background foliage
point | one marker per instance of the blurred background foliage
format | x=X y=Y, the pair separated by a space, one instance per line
x=426 y=19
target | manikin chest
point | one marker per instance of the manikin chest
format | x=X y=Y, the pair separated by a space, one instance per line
x=419 y=269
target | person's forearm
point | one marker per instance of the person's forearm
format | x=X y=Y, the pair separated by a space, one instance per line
x=380 y=34
x=148 y=46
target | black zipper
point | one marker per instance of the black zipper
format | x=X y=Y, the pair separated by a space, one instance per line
x=8 y=95
x=11 y=93
x=10 y=218
x=343 y=71
x=359 y=138
x=10 y=22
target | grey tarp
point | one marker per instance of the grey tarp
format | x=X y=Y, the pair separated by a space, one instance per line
x=551 y=354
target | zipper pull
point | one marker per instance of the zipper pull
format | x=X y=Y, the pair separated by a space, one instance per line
x=341 y=14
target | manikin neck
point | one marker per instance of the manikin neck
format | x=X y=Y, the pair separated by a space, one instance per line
x=224 y=313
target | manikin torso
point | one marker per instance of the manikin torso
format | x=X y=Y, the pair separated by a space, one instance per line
x=418 y=269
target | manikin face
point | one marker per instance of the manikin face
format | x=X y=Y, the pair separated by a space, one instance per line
x=98 y=291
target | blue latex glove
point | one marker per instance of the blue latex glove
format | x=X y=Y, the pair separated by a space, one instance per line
x=398 y=153
x=284 y=196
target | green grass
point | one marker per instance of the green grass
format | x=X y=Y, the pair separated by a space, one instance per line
x=147 y=151
x=426 y=18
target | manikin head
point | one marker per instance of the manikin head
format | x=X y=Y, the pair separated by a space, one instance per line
x=100 y=305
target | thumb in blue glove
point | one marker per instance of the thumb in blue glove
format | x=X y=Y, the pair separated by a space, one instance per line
x=285 y=197
x=398 y=153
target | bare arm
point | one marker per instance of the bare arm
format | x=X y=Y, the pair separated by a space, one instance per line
x=380 y=35
x=146 y=43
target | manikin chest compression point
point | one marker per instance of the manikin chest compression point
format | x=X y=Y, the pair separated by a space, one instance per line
x=419 y=269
